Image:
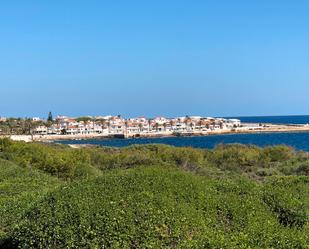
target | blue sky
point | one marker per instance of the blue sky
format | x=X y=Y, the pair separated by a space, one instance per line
x=163 y=57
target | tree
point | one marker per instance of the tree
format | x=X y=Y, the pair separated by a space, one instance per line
x=84 y=119
x=109 y=126
x=187 y=122
x=50 y=117
x=157 y=127
x=164 y=125
x=200 y=123
x=149 y=125
x=172 y=124
x=103 y=123
x=126 y=124
x=11 y=123
x=140 y=126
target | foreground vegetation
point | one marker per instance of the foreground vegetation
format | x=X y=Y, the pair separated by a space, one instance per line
x=153 y=196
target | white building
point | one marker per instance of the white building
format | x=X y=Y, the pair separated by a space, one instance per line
x=40 y=130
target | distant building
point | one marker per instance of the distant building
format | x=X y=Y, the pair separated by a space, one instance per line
x=234 y=122
x=41 y=130
x=116 y=125
x=36 y=119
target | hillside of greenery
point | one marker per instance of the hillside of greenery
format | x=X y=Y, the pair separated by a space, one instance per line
x=153 y=196
x=20 y=188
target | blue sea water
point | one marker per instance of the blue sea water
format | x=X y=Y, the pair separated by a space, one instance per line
x=295 y=119
x=298 y=140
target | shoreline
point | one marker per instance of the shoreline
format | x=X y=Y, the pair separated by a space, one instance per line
x=268 y=128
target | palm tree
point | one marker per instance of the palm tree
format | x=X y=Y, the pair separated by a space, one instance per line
x=109 y=126
x=149 y=124
x=140 y=126
x=126 y=124
x=164 y=126
x=11 y=124
x=57 y=125
x=157 y=127
x=200 y=123
x=187 y=121
x=94 y=120
x=172 y=123
x=221 y=125
x=191 y=126
x=213 y=123
x=104 y=124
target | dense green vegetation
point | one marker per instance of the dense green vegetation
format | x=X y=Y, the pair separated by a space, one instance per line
x=19 y=190
x=153 y=196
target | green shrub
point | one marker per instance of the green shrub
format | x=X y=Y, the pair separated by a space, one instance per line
x=278 y=153
x=302 y=169
x=224 y=161
x=228 y=197
x=233 y=156
x=60 y=161
x=19 y=190
x=288 y=197
x=155 y=207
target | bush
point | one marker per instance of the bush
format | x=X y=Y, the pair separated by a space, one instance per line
x=302 y=169
x=288 y=198
x=60 y=161
x=19 y=189
x=155 y=207
x=235 y=157
x=229 y=197
x=278 y=153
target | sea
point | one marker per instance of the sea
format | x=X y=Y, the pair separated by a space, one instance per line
x=298 y=140
x=293 y=119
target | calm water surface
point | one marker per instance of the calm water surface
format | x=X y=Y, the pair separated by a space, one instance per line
x=298 y=140
x=296 y=119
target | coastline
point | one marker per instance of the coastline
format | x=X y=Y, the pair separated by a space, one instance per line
x=248 y=128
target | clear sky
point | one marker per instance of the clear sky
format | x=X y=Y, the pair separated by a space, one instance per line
x=160 y=57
